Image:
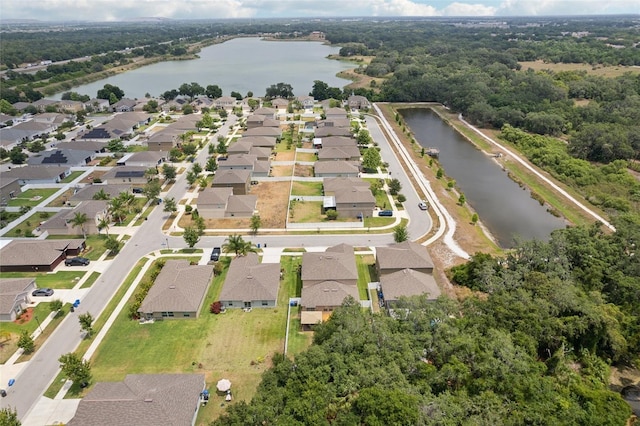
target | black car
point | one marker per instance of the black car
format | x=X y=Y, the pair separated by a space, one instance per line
x=137 y=190
x=215 y=254
x=386 y=213
x=77 y=261
x=42 y=292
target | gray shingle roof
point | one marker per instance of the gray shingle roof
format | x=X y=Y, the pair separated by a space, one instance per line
x=327 y=293
x=408 y=282
x=329 y=266
x=37 y=252
x=142 y=400
x=35 y=172
x=230 y=177
x=403 y=255
x=9 y=289
x=335 y=167
x=249 y=280
x=180 y=287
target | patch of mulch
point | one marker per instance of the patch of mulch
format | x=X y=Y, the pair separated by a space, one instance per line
x=25 y=316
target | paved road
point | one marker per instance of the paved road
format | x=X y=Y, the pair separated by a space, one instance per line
x=42 y=369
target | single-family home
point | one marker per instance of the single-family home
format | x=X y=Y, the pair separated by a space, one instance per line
x=62 y=157
x=134 y=175
x=334 y=122
x=260 y=141
x=266 y=112
x=61 y=222
x=336 y=169
x=344 y=153
x=238 y=180
x=42 y=104
x=250 y=284
x=255 y=120
x=334 y=142
x=327 y=279
x=214 y=203
x=52 y=118
x=37 y=255
x=358 y=102
x=165 y=140
x=307 y=101
x=240 y=146
x=142 y=159
x=203 y=102
x=21 y=106
x=98 y=105
x=349 y=196
x=70 y=106
x=225 y=102
x=273 y=132
x=89 y=192
x=37 y=175
x=124 y=105
x=9 y=189
x=334 y=113
x=142 y=400
x=407 y=283
x=85 y=145
x=178 y=292
x=407 y=254
x=14 y=297
x=323 y=132
x=279 y=103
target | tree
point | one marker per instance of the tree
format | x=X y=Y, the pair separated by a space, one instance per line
x=400 y=233
x=253 y=104
x=151 y=106
x=187 y=109
x=213 y=91
x=116 y=145
x=191 y=90
x=75 y=369
x=26 y=343
x=191 y=236
x=332 y=214
x=103 y=223
x=151 y=173
x=363 y=138
x=196 y=168
x=112 y=245
x=169 y=172
x=79 y=220
x=110 y=92
x=170 y=205
x=280 y=90
x=17 y=156
x=86 y=323
x=371 y=159
x=462 y=199
x=394 y=186
x=376 y=186
x=212 y=165
x=256 y=223
x=56 y=305
x=320 y=90
x=203 y=182
x=36 y=146
x=236 y=95
x=151 y=190
x=191 y=178
x=9 y=417
x=236 y=244
x=474 y=218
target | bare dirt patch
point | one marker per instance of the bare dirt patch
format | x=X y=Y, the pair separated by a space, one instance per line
x=61 y=200
x=97 y=174
x=281 y=171
x=285 y=156
x=303 y=171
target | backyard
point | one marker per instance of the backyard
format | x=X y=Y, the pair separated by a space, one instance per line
x=32 y=197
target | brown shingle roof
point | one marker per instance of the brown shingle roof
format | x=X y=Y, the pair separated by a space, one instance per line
x=329 y=266
x=142 y=400
x=403 y=255
x=180 y=287
x=248 y=280
x=38 y=252
x=408 y=282
x=327 y=293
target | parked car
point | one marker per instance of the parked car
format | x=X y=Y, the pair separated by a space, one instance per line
x=42 y=292
x=386 y=213
x=77 y=261
x=423 y=205
x=215 y=254
x=137 y=190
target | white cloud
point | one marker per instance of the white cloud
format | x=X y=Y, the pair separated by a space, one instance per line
x=465 y=9
x=567 y=7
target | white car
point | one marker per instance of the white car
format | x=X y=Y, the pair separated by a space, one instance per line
x=423 y=205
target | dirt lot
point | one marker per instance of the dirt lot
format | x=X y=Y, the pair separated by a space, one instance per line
x=303 y=171
x=280 y=171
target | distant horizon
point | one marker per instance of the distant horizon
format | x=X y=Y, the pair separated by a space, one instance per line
x=45 y=11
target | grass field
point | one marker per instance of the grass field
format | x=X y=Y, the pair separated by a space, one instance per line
x=599 y=70
x=60 y=279
x=25 y=228
x=306 y=188
x=92 y=279
x=306 y=211
x=73 y=176
x=306 y=156
x=32 y=197
x=366 y=274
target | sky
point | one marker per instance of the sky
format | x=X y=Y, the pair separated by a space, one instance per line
x=116 y=10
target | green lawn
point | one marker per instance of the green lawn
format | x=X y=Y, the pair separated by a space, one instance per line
x=375 y=221
x=144 y=214
x=25 y=228
x=366 y=274
x=306 y=156
x=306 y=188
x=92 y=279
x=95 y=246
x=32 y=197
x=73 y=176
x=60 y=279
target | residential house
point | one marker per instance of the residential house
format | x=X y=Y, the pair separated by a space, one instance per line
x=261 y=153
x=336 y=169
x=52 y=118
x=238 y=162
x=42 y=104
x=403 y=255
x=89 y=192
x=272 y=132
x=225 y=102
x=335 y=122
x=6 y=120
x=407 y=283
x=343 y=153
x=350 y=197
x=307 y=102
x=138 y=118
x=36 y=175
x=254 y=121
x=178 y=292
x=327 y=279
x=250 y=284
x=85 y=145
x=203 y=102
x=61 y=222
x=23 y=131
x=21 y=106
x=14 y=297
x=71 y=106
x=334 y=142
x=62 y=157
x=358 y=102
x=37 y=255
x=260 y=141
x=124 y=105
x=142 y=159
x=215 y=203
x=267 y=112
x=9 y=188
x=279 y=103
x=142 y=400
x=238 y=180
x=323 y=132
x=134 y=175
x=165 y=140
x=240 y=146
x=98 y=105
x=335 y=113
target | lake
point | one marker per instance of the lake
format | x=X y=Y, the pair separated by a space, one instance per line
x=504 y=208
x=240 y=65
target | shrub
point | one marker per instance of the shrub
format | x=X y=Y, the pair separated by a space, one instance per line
x=215 y=308
x=401 y=198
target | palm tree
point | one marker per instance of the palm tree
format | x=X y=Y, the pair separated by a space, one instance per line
x=237 y=245
x=79 y=219
x=104 y=224
x=116 y=210
x=101 y=195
